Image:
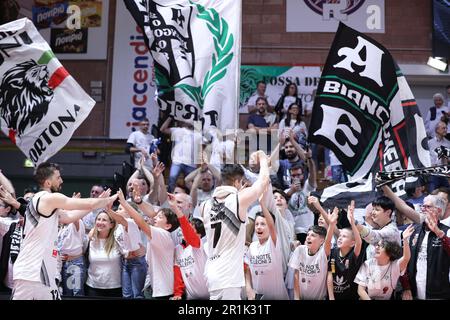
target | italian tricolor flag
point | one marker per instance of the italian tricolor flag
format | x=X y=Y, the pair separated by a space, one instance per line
x=56 y=78
x=45 y=130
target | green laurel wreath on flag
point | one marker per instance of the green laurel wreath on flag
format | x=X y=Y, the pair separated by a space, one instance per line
x=223 y=44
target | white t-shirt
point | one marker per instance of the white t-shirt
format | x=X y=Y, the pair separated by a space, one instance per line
x=270 y=118
x=252 y=102
x=219 y=150
x=186 y=146
x=131 y=238
x=142 y=141
x=446 y=221
x=192 y=266
x=70 y=240
x=380 y=281
x=421 y=274
x=105 y=271
x=299 y=128
x=37 y=260
x=265 y=262
x=389 y=232
x=430 y=125
x=160 y=258
x=432 y=145
x=313 y=272
x=298 y=206
x=226 y=246
x=288 y=100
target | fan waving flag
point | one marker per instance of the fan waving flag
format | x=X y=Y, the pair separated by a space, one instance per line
x=366 y=113
x=41 y=105
x=195 y=46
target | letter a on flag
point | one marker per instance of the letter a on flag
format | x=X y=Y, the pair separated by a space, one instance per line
x=41 y=105
x=366 y=113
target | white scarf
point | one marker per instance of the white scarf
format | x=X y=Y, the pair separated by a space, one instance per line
x=224 y=191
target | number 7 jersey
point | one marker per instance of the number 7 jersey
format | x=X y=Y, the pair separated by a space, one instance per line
x=225 y=234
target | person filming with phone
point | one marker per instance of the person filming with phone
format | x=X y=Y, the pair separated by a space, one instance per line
x=298 y=191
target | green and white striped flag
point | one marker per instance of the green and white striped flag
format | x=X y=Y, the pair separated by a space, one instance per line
x=41 y=105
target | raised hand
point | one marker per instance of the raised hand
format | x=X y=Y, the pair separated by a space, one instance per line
x=136 y=193
x=145 y=154
x=245 y=184
x=105 y=194
x=291 y=134
x=314 y=201
x=432 y=224
x=141 y=163
x=158 y=169
x=171 y=200
x=408 y=232
x=120 y=195
x=154 y=158
x=7 y=197
x=111 y=200
x=333 y=217
x=351 y=212
x=76 y=195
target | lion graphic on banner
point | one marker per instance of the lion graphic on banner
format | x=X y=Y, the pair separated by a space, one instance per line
x=24 y=95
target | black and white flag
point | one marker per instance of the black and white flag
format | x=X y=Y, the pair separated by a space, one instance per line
x=365 y=112
x=195 y=46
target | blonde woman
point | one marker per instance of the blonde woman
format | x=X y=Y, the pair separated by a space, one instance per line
x=104 y=259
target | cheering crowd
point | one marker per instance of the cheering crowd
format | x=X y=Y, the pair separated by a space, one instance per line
x=223 y=230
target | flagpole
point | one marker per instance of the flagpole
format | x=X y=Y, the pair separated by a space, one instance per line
x=238 y=82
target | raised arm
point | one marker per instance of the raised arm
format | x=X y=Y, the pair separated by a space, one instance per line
x=145 y=207
x=135 y=215
x=194 y=188
x=8 y=198
x=312 y=169
x=351 y=219
x=300 y=151
x=314 y=201
x=403 y=263
x=191 y=176
x=6 y=183
x=118 y=218
x=159 y=193
x=273 y=160
x=249 y=195
x=165 y=126
x=401 y=205
x=149 y=177
x=331 y=226
x=269 y=219
x=189 y=234
x=73 y=209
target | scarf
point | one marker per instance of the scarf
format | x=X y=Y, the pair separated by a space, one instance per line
x=16 y=239
x=224 y=191
x=385 y=177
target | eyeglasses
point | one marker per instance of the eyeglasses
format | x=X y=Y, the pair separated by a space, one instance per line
x=379 y=245
x=426 y=207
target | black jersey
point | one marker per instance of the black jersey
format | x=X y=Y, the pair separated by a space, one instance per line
x=344 y=270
